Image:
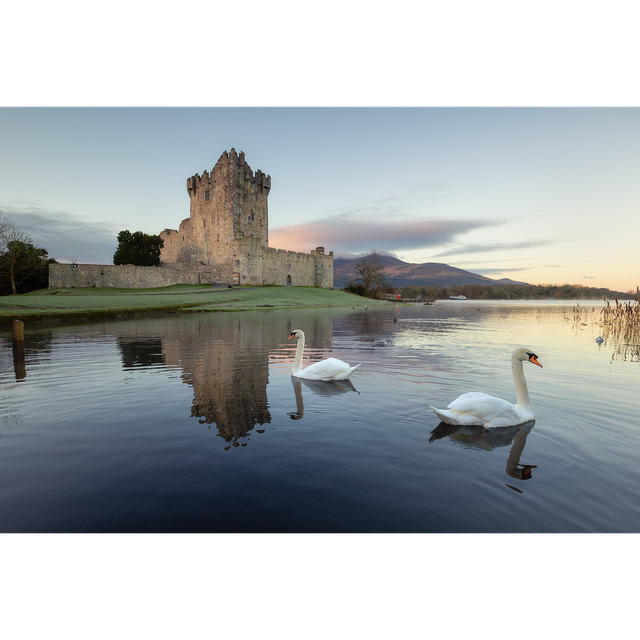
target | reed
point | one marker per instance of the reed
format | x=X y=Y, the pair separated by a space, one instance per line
x=621 y=329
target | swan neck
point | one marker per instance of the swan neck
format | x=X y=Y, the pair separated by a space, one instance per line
x=297 y=363
x=522 y=392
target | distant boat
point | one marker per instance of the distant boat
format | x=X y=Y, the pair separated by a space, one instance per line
x=457 y=297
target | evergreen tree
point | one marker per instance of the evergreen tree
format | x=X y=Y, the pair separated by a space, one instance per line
x=138 y=248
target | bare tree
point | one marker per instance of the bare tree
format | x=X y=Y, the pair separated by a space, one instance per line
x=371 y=272
x=6 y=227
x=19 y=258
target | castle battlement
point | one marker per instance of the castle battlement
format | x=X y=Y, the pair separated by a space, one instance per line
x=230 y=166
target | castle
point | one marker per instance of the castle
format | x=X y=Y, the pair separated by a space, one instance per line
x=226 y=237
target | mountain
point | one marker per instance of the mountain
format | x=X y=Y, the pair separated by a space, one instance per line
x=405 y=274
x=509 y=281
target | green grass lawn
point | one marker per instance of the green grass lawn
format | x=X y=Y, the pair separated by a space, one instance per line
x=76 y=303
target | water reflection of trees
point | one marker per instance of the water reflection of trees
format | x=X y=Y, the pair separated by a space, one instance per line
x=140 y=352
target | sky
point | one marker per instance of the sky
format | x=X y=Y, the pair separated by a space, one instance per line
x=541 y=195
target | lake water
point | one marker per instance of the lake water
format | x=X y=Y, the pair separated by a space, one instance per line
x=192 y=423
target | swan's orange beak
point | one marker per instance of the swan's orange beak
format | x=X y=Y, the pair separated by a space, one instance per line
x=534 y=360
x=293 y=335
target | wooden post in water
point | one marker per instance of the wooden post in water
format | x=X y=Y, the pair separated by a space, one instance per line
x=18 y=350
x=18 y=335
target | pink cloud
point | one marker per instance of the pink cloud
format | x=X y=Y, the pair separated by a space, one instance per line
x=351 y=235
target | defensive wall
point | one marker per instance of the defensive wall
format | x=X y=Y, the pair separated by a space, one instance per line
x=296 y=269
x=279 y=267
x=130 y=277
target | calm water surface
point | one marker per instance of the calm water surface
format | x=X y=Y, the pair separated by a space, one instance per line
x=192 y=423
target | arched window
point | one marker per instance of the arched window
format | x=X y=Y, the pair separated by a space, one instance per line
x=288 y=281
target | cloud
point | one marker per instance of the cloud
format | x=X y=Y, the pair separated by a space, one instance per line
x=66 y=237
x=489 y=247
x=589 y=277
x=355 y=233
x=484 y=272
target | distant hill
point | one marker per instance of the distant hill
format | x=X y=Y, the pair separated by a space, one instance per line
x=509 y=281
x=405 y=274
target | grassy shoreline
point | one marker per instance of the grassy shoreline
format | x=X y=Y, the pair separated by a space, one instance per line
x=62 y=304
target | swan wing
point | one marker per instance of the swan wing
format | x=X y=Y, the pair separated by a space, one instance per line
x=481 y=409
x=329 y=369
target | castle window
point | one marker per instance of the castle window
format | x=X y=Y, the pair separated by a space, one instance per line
x=207 y=196
x=253 y=215
x=237 y=263
x=204 y=223
x=248 y=218
x=255 y=198
x=218 y=237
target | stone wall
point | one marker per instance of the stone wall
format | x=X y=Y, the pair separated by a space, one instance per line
x=278 y=266
x=130 y=277
x=295 y=269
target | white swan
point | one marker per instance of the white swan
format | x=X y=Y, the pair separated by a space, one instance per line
x=480 y=409
x=329 y=369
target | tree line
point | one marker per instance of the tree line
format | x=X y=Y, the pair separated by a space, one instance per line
x=517 y=292
x=369 y=281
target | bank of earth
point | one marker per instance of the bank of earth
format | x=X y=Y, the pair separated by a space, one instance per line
x=52 y=304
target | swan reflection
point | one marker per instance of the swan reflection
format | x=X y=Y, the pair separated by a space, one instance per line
x=331 y=388
x=489 y=439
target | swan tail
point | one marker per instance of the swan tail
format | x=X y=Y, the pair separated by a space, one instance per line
x=442 y=414
x=459 y=418
x=345 y=375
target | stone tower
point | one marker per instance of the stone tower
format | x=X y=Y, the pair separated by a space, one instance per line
x=228 y=218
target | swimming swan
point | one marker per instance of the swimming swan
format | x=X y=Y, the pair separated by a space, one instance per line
x=329 y=369
x=480 y=409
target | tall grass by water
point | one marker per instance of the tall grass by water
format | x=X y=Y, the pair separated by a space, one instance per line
x=617 y=323
x=621 y=326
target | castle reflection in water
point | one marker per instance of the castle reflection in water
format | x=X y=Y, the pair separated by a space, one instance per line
x=224 y=359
